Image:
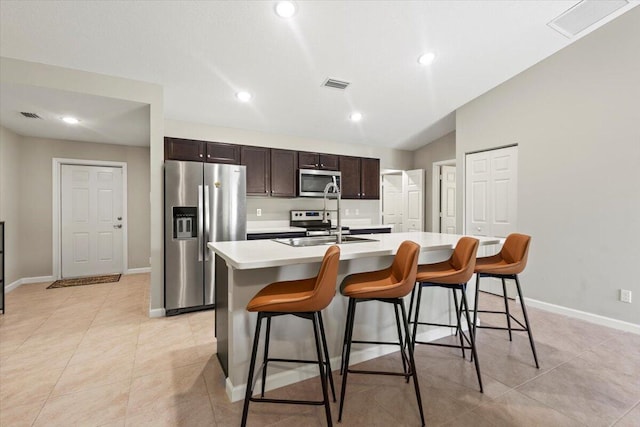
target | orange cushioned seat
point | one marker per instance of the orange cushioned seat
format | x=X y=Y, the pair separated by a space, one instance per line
x=453 y=274
x=301 y=298
x=389 y=286
x=507 y=264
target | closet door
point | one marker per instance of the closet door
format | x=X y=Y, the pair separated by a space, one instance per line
x=491 y=192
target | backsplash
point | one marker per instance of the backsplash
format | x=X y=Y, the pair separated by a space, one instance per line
x=277 y=209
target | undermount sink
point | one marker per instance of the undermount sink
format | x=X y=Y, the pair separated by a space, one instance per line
x=322 y=240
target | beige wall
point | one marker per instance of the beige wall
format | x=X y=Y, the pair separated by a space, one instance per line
x=9 y=212
x=15 y=71
x=34 y=187
x=441 y=149
x=576 y=119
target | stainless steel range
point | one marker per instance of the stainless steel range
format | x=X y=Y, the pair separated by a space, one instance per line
x=317 y=223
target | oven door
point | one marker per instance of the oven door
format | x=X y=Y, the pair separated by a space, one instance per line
x=311 y=182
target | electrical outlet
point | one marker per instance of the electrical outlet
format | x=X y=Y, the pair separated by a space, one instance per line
x=346 y=211
x=625 y=295
x=258 y=212
x=357 y=211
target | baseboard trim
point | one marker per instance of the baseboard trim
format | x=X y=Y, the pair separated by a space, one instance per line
x=156 y=312
x=27 y=281
x=281 y=379
x=583 y=315
x=138 y=270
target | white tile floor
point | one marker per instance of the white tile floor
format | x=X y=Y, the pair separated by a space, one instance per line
x=90 y=356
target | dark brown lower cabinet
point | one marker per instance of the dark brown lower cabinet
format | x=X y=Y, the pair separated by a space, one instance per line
x=284 y=165
x=257 y=161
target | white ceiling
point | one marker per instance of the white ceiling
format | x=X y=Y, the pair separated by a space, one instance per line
x=202 y=53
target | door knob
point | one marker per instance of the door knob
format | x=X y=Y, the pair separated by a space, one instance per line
x=119 y=218
x=117 y=226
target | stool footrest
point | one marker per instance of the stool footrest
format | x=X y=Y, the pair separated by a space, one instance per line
x=315 y=362
x=375 y=342
x=291 y=402
x=501 y=328
x=443 y=325
x=395 y=374
x=444 y=345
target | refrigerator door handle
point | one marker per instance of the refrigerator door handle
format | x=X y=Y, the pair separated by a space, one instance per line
x=207 y=216
x=200 y=214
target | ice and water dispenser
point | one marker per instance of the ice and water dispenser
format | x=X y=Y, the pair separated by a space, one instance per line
x=185 y=220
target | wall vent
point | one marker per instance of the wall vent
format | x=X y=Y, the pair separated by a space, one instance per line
x=583 y=15
x=336 y=84
x=30 y=115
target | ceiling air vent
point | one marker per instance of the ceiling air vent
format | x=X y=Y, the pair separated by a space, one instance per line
x=583 y=15
x=336 y=84
x=30 y=115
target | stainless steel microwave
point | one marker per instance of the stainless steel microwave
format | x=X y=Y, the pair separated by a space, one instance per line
x=311 y=182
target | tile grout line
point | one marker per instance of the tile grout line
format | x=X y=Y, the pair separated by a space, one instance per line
x=634 y=406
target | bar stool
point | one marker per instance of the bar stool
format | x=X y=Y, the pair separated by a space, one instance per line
x=452 y=274
x=510 y=262
x=302 y=298
x=389 y=286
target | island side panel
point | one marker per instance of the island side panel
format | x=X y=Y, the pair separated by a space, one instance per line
x=222 y=313
x=293 y=337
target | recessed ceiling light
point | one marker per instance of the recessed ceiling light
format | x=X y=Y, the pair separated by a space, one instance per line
x=70 y=120
x=355 y=117
x=426 y=58
x=244 y=96
x=285 y=9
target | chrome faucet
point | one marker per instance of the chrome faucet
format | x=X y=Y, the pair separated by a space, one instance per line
x=329 y=186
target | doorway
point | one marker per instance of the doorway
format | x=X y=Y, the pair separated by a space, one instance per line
x=89 y=218
x=403 y=200
x=444 y=212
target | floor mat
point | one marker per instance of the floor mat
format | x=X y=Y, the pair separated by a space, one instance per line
x=81 y=281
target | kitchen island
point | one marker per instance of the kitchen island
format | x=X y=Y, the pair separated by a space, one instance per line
x=244 y=267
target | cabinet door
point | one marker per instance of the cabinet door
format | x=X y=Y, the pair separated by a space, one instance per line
x=183 y=149
x=256 y=159
x=350 y=180
x=284 y=165
x=308 y=160
x=218 y=152
x=329 y=162
x=370 y=174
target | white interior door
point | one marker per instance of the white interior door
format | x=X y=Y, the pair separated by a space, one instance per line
x=414 y=200
x=491 y=198
x=448 y=199
x=392 y=201
x=491 y=192
x=91 y=220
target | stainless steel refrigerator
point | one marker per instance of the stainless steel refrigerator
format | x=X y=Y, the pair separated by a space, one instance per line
x=203 y=202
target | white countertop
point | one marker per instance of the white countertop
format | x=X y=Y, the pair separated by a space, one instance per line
x=250 y=254
x=284 y=229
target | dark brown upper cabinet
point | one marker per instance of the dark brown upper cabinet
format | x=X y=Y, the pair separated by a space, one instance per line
x=360 y=178
x=370 y=178
x=219 y=152
x=284 y=167
x=183 y=149
x=350 y=177
x=257 y=161
x=318 y=161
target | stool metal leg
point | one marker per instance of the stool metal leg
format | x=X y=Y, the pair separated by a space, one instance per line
x=475 y=304
x=248 y=392
x=345 y=341
x=348 y=336
x=472 y=338
x=412 y=362
x=400 y=340
x=413 y=293
x=326 y=355
x=506 y=308
x=526 y=321
x=321 y=367
x=458 y=323
x=266 y=356
x=416 y=316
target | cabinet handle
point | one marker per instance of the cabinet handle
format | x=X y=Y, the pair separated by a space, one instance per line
x=362 y=194
x=321 y=165
x=209 y=156
x=316 y=165
x=201 y=155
